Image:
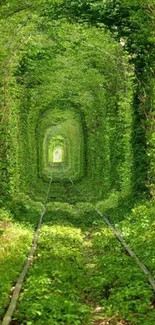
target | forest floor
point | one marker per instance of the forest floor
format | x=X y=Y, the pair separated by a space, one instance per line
x=80 y=274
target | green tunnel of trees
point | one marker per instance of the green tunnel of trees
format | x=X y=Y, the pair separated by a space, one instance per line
x=52 y=68
x=55 y=64
x=77 y=95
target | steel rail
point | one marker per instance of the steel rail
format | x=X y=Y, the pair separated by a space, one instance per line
x=79 y=190
x=18 y=286
x=123 y=242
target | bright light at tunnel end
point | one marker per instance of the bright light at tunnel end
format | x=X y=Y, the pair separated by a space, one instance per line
x=58 y=155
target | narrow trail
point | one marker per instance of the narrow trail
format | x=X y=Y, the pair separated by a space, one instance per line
x=71 y=279
x=62 y=283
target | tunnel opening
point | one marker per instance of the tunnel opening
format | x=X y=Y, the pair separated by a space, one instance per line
x=61 y=145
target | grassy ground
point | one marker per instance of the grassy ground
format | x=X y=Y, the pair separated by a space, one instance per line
x=15 y=241
x=82 y=275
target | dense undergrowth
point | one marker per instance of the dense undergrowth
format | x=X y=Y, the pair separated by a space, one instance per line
x=81 y=274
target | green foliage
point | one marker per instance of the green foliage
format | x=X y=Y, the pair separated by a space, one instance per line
x=141 y=221
x=15 y=241
x=66 y=67
x=53 y=63
x=132 y=23
x=54 y=293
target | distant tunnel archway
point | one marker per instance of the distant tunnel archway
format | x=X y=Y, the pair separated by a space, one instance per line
x=61 y=144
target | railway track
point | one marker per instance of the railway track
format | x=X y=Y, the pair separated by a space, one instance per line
x=118 y=235
x=18 y=287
